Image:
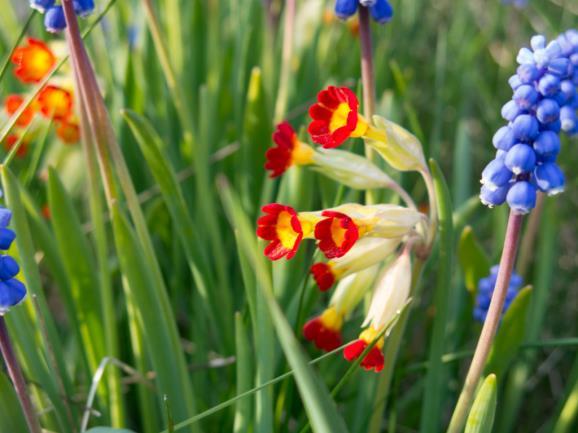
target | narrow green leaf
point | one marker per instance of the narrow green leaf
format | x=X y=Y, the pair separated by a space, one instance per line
x=474 y=262
x=244 y=376
x=11 y=416
x=108 y=430
x=481 y=417
x=435 y=384
x=511 y=333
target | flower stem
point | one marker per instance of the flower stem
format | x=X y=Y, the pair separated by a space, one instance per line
x=529 y=238
x=490 y=325
x=17 y=379
x=367 y=75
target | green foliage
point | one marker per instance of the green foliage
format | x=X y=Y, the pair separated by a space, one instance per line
x=481 y=417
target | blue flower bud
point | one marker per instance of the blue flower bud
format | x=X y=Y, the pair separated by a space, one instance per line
x=83 y=8
x=527 y=73
x=494 y=197
x=547 y=144
x=504 y=138
x=345 y=8
x=41 y=5
x=549 y=85
x=12 y=292
x=511 y=110
x=525 y=127
x=568 y=118
x=486 y=288
x=521 y=197
x=525 y=56
x=54 y=20
x=367 y=3
x=5 y=217
x=521 y=158
x=514 y=82
x=554 y=126
x=549 y=178
x=548 y=110
x=8 y=268
x=538 y=42
x=381 y=11
x=559 y=66
x=525 y=96
x=496 y=174
x=501 y=154
x=7 y=236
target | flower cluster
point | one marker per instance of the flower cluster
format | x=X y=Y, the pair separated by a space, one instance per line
x=12 y=290
x=54 y=20
x=544 y=102
x=380 y=10
x=32 y=62
x=486 y=289
x=355 y=239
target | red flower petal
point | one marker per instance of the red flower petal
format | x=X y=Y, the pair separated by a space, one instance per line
x=11 y=141
x=323 y=337
x=280 y=225
x=68 y=132
x=32 y=61
x=336 y=234
x=55 y=102
x=12 y=103
x=374 y=360
x=279 y=157
x=323 y=276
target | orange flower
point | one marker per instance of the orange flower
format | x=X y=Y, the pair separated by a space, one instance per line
x=289 y=151
x=33 y=61
x=335 y=117
x=374 y=360
x=11 y=141
x=336 y=234
x=68 y=131
x=281 y=226
x=325 y=330
x=12 y=103
x=55 y=102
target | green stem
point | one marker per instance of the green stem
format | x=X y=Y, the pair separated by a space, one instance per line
x=288 y=35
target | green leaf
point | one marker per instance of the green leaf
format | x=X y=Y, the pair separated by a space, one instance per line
x=481 y=417
x=11 y=416
x=244 y=376
x=319 y=405
x=511 y=333
x=108 y=430
x=474 y=262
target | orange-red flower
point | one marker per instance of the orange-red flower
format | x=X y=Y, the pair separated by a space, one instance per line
x=282 y=228
x=323 y=275
x=33 y=61
x=55 y=102
x=68 y=131
x=289 y=151
x=11 y=141
x=325 y=330
x=374 y=360
x=336 y=234
x=335 y=117
x=12 y=103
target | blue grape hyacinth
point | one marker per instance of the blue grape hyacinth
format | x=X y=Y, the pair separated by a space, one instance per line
x=12 y=290
x=543 y=104
x=486 y=289
x=54 y=21
x=380 y=10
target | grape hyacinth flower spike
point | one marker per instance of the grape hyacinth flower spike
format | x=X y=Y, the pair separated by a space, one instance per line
x=380 y=10
x=54 y=20
x=486 y=287
x=12 y=290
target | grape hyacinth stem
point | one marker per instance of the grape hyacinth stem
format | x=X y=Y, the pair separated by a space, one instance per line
x=367 y=75
x=15 y=373
x=490 y=325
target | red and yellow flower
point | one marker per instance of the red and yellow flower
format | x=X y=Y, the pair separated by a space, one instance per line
x=335 y=117
x=284 y=229
x=374 y=360
x=55 y=102
x=11 y=141
x=33 y=61
x=68 y=131
x=289 y=151
x=325 y=330
x=13 y=103
x=336 y=234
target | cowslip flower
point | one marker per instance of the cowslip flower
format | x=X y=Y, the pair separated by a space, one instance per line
x=55 y=102
x=486 y=289
x=325 y=329
x=380 y=10
x=284 y=228
x=12 y=290
x=12 y=103
x=32 y=61
x=11 y=141
x=390 y=296
x=347 y=168
x=68 y=131
x=364 y=254
x=527 y=148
